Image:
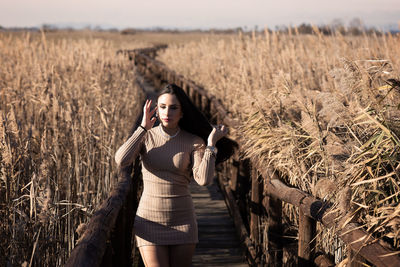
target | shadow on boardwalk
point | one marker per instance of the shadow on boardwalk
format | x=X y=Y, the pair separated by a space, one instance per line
x=218 y=243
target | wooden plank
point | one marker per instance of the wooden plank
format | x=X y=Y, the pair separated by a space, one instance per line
x=218 y=243
x=215 y=215
x=213 y=230
x=215 y=259
x=214 y=219
x=228 y=237
x=208 y=203
x=233 y=251
x=218 y=261
x=215 y=224
x=219 y=213
x=206 y=199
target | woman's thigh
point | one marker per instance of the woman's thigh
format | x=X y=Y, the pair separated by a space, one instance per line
x=155 y=256
x=181 y=255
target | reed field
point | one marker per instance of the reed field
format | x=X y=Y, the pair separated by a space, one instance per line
x=66 y=104
x=323 y=111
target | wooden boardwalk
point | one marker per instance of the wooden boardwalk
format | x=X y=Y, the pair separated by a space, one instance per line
x=218 y=242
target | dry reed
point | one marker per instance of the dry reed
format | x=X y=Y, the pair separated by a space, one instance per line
x=65 y=105
x=322 y=110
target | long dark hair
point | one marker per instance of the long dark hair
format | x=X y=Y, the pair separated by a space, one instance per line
x=194 y=122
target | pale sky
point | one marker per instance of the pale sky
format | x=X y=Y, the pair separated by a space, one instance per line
x=195 y=14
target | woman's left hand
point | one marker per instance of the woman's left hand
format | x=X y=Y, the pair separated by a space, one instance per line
x=217 y=133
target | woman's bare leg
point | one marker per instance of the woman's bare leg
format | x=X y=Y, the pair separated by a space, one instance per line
x=155 y=256
x=181 y=255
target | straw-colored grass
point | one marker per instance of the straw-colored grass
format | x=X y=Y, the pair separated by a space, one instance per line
x=67 y=101
x=322 y=110
x=66 y=104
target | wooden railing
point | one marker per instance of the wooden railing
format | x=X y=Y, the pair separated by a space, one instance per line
x=107 y=240
x=267 y=192
x=108 y=236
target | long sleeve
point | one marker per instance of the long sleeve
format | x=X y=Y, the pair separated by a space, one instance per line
x=130 y=149
x=203 y=163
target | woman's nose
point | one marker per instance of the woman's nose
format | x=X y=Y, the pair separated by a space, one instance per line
x=168 y=111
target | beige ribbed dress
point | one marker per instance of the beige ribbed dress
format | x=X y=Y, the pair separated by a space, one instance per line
x=165 y=215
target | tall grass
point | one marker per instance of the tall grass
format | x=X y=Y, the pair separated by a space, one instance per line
x=65 y=105
x=322 y=110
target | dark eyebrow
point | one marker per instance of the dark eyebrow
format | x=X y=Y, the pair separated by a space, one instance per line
x=173 y=105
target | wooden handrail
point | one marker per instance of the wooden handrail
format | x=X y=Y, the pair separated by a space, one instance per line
x=314 y=209
x=93 y=244
x=352 y=234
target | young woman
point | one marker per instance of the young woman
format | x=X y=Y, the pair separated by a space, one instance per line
x=182 y=146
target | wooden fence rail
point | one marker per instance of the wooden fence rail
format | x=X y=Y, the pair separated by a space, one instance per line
x=101 y=243
x=108 y=236
x=268 y=192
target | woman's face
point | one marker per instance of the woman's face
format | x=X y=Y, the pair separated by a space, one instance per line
x=169 y=110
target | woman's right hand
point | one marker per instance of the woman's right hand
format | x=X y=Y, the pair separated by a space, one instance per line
x=217 y=133
x=148 y=121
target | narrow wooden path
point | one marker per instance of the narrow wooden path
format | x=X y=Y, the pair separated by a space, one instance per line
x=218 y=243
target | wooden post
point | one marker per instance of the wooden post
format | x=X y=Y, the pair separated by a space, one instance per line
x=163 y=79
x=181 y=83
x=307 y=228
x=199 y=100
x=206 y=106
x=234 y=171
x=188 y=90
x=255 y=210
x=191 y=92
x=195 y=98
x=273 y=207
x=213 y=113
x=254 y=206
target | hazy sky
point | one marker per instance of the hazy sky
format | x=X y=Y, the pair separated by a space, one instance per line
x=195 y=14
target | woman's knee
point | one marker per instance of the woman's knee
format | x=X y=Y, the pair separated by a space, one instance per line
x=181 y=255
x=155 y=256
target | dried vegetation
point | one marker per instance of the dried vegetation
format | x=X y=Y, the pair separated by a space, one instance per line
x=65 y=105
x=322 y=110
